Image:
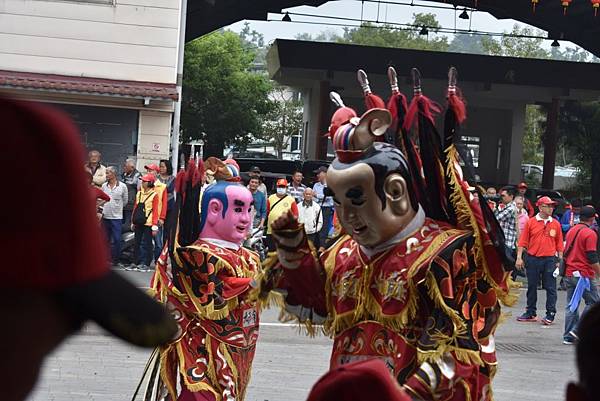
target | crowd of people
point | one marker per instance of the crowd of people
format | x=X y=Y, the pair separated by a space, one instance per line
x=144 y=204
x=423 y=292
x=545 y=246
x=133 y=202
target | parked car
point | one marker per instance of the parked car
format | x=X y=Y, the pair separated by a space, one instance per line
x=533 y=194
x=273 y=169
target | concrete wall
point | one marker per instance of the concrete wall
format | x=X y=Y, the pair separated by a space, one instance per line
x=153 y=137
x=126 y=39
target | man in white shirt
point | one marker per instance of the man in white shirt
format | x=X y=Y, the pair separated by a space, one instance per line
x=112 y=215
x=309 y=214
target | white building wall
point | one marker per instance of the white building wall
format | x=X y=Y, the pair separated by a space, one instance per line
x=153 y=137
x=132 y=40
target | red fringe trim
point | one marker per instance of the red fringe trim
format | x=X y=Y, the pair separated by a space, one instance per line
x=191 y=174
x=374 y=102
x=392 y=106
x=421 y=104
x=457 y=105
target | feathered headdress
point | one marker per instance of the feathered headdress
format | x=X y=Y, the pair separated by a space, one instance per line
x=420 y=115
x=350 y=134
x=473 y=213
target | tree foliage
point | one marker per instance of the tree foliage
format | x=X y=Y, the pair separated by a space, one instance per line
x=579 y=129
x=285 y=120
x=517 y=45
x=223 y=102
x=255 y=42
x=533 y=150
x=391 y=36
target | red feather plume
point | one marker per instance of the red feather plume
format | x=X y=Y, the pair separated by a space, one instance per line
x=374 y=102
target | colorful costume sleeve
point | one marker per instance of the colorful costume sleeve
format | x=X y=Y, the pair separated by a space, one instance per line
x=299 y=290
x=454 y=319
x=100 y=194
x=210 y=281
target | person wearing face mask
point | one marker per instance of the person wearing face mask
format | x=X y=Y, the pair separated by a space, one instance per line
x=406 y=282
x=279 y=204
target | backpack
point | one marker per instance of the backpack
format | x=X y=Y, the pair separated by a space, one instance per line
x=139 y=216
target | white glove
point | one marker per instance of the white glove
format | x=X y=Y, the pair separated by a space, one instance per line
x=555 y=273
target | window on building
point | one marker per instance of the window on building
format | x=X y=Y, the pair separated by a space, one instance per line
x=296 y=143
x=470 y=144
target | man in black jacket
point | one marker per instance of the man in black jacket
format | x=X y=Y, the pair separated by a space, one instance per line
x=131 y=178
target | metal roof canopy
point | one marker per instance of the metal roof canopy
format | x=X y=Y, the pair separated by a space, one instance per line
x=578 y=26
x=289 y=60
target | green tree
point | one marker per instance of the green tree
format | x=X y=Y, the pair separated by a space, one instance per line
x=572 y=54
x=325 y=36
x=533 y=151
x=516 y=45
x=467 y=44
x=285 y=120
x=223 y=102
x=579 y=129
x=391 y=36
x=255 y=41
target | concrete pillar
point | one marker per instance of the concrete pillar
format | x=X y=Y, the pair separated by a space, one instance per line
x=153 y=137
x=550 y=142
x=317 y=114
x=324 y=117
x=516 y=144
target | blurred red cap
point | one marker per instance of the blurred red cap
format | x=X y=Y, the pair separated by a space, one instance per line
x=545 y=200
x=148 y=178
x=59 y=248
x=152 y=167
x=358 y=381
x=282 y=182
x=522 y=185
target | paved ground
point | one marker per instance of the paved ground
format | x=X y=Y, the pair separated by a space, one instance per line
x=534 y=365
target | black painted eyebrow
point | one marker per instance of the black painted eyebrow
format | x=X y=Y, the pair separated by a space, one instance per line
x=354 y=193
x=238 y=202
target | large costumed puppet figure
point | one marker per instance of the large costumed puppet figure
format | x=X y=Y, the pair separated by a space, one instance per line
x=417 y=277
x=205 y=284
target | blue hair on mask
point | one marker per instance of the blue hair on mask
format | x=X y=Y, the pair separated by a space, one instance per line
x=214 y=191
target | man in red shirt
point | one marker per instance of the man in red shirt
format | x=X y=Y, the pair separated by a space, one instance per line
x=542 y=237
x=581 y=259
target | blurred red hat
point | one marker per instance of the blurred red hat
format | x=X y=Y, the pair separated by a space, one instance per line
x=522 y=185
x=545 y=200
x=67 y=258
x=148 y=178
x=358 y=381
x=282 y=182
x=152 y=167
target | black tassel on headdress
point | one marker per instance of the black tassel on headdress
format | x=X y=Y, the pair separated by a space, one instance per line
x=188 y=186
x=421 y=112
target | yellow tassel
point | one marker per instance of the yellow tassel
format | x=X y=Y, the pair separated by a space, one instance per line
x=229 y=359
x=165 y=370
x=466 y=219
x=468 y=391
x=200 y=386
x=438 y=299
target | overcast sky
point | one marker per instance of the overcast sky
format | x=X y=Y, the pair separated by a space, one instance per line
x=387 y=13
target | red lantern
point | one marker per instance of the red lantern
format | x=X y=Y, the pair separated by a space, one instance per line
x=534 y=3
x=565 y=4
x=596 y=5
